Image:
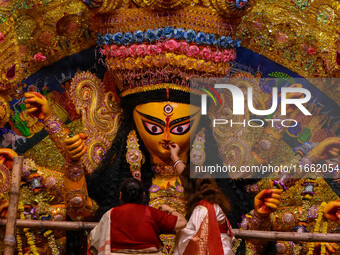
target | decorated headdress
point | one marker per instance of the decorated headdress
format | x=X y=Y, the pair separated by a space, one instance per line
x=163 y=44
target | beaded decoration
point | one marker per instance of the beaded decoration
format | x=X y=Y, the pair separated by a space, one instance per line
x=197 y=154
x=317 y=227
x=134 y=155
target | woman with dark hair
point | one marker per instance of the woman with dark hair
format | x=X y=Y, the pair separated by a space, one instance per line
x=208 y=230
x=133 y=227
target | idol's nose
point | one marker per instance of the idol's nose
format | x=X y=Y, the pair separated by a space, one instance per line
x=166 y=137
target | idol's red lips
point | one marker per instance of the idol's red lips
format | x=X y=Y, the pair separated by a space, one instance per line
x=166 y=146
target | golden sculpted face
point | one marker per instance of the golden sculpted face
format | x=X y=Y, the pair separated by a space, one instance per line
x=161 y=123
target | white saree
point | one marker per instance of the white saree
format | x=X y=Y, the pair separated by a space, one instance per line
x=196 y=231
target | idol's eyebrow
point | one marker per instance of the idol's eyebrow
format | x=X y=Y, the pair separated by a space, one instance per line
x=154 y=119
x=182 y=119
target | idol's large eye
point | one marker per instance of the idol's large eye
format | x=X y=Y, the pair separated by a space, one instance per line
x=181 y=129
x=152 y=129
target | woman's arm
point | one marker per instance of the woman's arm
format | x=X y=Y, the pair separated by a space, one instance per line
x=181 y=221
x=179 y=164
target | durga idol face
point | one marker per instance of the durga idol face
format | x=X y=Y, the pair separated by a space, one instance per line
x=160 y=124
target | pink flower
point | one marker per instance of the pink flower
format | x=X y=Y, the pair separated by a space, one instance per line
x=171 y=45
x=39 y=57
x=112 y=50
x=206 y=53
x=114 y=47
x=232 y=54
x=2 y=37
x=212 y=55
x=141 y=50
x=121 y=52
x=133 y=50
x=158 y=48
x=149 y=50
x=125 y=51
x=103 y=51
x=226 y=56
x=193 y=51
x=183 y=47
x=218 y=57
x=154 y=49
x=311 y=51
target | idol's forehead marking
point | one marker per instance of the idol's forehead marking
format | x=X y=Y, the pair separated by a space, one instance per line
x=168 y=109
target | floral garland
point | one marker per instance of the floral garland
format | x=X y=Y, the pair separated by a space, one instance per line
x=317 y=228
x=156 y=35
x=323 y=245
x=19 y=242
x=29 y=168
x=171 y=59
x=51 y=242
x=141 y=50
x=29 y=236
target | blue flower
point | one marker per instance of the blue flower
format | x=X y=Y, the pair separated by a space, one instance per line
x=238 y=43
x=117 y=38
x=127 y=38
x=159 y=33
x=235 y=44
x=222 y=42
x=150 y=35
x=190 y=35
x=201 y=38
x=168 y=32
x=107 y=39
x=138 y=36
x=211 y=39
x=100 y=39
x=179 y=33
x=229 y=40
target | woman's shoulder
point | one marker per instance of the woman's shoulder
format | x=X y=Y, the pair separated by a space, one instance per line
x=200 y=209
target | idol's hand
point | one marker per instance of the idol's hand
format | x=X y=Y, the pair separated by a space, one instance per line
x=75 y=147
x=37 y=105
x=331 y=248
x=332 y=211
x=3 y=208
x=328 y=148
x=267 y=201
x=6 y=157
